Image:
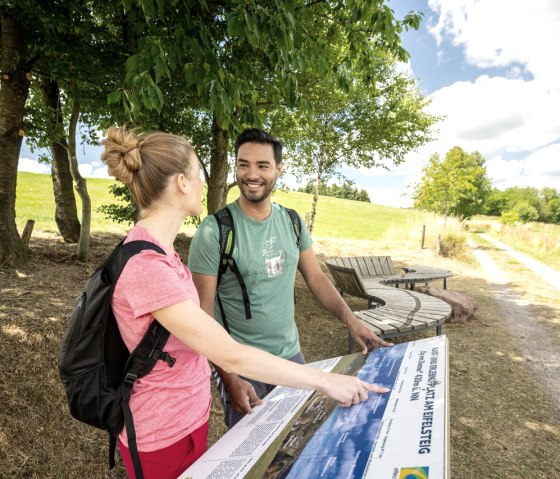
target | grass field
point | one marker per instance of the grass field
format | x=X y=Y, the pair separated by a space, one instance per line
x=335 y=218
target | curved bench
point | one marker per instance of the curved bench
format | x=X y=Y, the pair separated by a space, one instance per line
x=391 y=311
x=381 y=269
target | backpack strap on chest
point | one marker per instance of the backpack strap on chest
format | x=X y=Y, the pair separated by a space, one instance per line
x=141 y=361
x=227 y=243
x=296 y=224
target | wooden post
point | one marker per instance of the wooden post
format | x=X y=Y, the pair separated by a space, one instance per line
x=423 y=235
x=26 y=235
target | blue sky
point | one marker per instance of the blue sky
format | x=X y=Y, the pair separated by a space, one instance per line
x=490 y=68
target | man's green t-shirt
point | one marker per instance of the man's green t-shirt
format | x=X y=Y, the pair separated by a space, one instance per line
x=267 y=256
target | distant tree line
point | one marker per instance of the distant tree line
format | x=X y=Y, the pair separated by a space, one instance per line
x=524 y=205
x=347 y=190
x=458 y=185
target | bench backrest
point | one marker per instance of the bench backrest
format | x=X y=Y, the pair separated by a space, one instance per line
x=347 y=280
x=366 y=266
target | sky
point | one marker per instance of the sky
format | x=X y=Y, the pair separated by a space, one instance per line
x=490 y=69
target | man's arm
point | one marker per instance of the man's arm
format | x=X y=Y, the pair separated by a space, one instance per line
x=241 y=393
x=332 y=301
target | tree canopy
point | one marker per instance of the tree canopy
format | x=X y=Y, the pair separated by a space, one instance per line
x=204 y=69
x=457 y=185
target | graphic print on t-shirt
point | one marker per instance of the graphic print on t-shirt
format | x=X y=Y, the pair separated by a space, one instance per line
x=273 y=258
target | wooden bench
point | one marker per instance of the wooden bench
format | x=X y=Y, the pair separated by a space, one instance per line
x=381 y=269
x=391 y=312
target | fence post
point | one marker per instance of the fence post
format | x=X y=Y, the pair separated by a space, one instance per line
x=423 y=235
x=26 y=235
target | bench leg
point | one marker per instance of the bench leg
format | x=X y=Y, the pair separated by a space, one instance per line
x=444 y=283
x=438 y=330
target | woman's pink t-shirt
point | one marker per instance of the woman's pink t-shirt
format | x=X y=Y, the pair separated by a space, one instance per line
x=169 y=403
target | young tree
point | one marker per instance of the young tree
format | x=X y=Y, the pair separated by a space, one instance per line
x=56 y=138
x=457 y=185
x=372 y=122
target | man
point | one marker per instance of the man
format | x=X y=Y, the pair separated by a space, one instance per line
x=267 y=256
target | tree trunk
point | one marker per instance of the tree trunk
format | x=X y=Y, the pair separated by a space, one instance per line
x=13 y=94
x=66 y=213
x=216 y=197
x=316 y=192
x=80 y=185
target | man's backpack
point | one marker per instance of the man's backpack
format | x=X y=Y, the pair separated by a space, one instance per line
x=227 y=244
x=96 y=368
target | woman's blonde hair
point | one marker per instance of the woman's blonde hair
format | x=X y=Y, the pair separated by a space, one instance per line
x=146 y=162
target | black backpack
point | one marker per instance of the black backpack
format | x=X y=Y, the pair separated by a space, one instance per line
x=96 y=368
x=227 y=243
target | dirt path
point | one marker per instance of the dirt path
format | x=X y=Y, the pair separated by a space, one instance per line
x=535 y=343
x=551 y=276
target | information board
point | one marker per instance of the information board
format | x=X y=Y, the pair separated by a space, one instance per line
x=299 y=434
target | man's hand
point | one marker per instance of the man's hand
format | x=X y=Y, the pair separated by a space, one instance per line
x=242 y=395
x=364 y=338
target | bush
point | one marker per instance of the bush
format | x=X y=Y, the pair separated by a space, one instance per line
x=510 y=218
x=453 y=245
x=526 y=212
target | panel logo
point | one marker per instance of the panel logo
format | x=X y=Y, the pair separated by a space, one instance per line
x=414 y=473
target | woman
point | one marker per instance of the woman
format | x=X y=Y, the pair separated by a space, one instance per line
x=171 y=405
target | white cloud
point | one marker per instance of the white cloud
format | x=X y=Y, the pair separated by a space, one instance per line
x=503 y=32
x=32 y=166
x=101 y=173
x=545 y=162
x=93 y=170
x=389 y=197
x=87 y=170
x=497 y=114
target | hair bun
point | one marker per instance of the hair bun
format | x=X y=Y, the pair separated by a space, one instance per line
x=122 y=154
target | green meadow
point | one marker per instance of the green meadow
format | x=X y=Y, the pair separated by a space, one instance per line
x=336 y=218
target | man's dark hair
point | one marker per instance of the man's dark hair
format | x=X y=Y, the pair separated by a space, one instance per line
x=254 y=135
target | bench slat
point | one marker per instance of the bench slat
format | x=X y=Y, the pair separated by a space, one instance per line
x=376 y=264
x=361 y=267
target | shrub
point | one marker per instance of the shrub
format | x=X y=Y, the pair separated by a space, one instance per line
x=510 y=217
x=526 y=212
x=453 y=245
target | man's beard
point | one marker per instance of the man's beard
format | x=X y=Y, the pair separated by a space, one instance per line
x=257 y=197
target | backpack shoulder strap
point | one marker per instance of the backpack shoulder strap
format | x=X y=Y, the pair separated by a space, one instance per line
x=117 y=260
x=296 y=224
x=226 y=228
x=226 y=238
x=141 y=361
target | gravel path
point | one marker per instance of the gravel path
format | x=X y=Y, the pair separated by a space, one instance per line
x=534 y=342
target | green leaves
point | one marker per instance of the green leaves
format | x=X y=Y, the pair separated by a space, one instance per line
x=457 y=185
